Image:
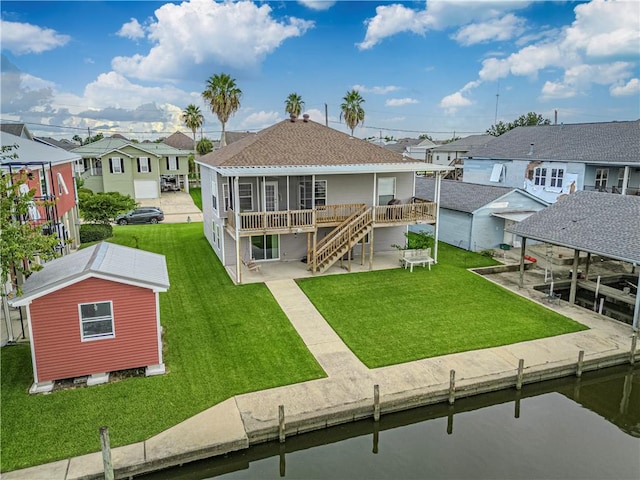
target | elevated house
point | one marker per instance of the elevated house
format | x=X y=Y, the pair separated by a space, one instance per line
x=301 y=191
x=453 y=153
x=135 y=169
x=94 y=312
x=478 y=217
x=49 y=171
x=554 y=160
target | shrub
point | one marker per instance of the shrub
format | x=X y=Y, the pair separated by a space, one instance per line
x=84 y=191
x=94 y=232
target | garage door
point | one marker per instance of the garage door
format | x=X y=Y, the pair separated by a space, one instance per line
x=146 y=188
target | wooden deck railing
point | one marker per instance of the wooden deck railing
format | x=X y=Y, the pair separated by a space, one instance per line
x=405 y=213
x=337 y=213
x=309 y=220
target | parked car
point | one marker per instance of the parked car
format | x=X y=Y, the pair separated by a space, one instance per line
x=141 y=215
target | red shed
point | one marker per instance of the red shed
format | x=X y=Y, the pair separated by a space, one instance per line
x=93 y=312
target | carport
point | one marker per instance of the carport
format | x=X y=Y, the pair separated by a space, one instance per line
x=603 y=224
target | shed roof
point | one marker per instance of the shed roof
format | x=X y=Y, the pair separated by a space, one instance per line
x=606 y=224
x=103 y=260
x=606 y=142
x=463 y=196
x=31 y=152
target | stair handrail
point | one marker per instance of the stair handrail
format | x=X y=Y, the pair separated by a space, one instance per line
x=342 y=236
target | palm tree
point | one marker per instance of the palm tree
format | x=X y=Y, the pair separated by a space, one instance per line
x=193 y=119
x=223 y=97
x=294 y=104
x=352 y=110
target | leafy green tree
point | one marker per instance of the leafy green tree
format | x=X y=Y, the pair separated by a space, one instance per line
x=223 y=96
x=294 y=104
x=425 y=136
x=104 y=207
x=204 y=146
x=351 y=109
x=21 y=242
x=528 y=120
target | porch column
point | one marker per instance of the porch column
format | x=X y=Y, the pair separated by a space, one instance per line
x=371 y=249
x=436 y=196
x=236 y=212
x=522 y=251
x=586 y=268
x=625 y=180
x=574 y=277
x=636 y=309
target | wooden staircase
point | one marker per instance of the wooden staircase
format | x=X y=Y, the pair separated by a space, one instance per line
x=340 y=240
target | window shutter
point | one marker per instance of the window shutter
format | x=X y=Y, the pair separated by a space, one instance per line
x=167 y=163
x=177 y=163
x=149 y=163
x=138 y=160
x=122 y=164
x=111 y=165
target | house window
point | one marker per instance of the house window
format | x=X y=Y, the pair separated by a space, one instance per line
x=540 y=176
x=144 y=165
x=386 y=190
x=306 y=197
x=94 y=165
x=265 y=247
x=214 y=196
x=225 y=196
x=621 y=178
x=602 y=175
x=245 y=194
x=96 y=320
x=217 y=234
x=172 y=163
x=556 y=177
x=44 y=183
x=115 y=164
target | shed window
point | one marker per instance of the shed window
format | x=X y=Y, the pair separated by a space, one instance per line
x=96 y=320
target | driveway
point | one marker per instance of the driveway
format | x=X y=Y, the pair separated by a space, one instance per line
x=178 y=207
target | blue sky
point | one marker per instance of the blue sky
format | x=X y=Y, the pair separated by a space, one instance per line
x=422 y=67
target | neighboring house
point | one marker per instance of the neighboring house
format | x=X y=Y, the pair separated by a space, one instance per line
x=49 y=172
x=553 y=160
x=180 y=140
x=17 y=129
x=300 y=190
x=415 y=148
x=93 y=312
x=64 y=143
x=453 y=153
x=135 y=169
x=477 y=217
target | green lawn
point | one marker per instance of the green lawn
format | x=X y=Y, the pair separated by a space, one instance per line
x=196 y=194
x=393 y=316
x=220 y=340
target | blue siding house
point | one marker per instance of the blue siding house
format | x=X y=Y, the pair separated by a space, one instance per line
x=477 y=217
x=549 y=161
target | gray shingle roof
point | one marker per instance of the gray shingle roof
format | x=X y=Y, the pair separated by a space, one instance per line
x=120 y=263
x=299 y=143
x=461 y=196
x=603 y=223
x=400 y=145
x=179 y=140
x=464 y=144
x=610 y=142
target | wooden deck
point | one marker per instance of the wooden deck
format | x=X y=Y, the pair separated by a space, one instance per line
x=305 y=221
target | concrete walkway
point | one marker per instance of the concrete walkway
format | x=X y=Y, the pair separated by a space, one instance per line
x=347 y=392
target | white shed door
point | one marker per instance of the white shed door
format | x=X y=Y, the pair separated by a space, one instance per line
x=146 y=188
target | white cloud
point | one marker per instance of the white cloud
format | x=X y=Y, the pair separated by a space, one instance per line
x=193 y=35
x=379 y=90
x=317 y=4
x=577 y=79
x=400 y=102
x=496 y=29
x=632 y=87
x=22 y=38
x=260 y=120
x=451 y=103
x=393 y=19
x=132 y=30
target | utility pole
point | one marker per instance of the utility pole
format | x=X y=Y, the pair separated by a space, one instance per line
x=326 y=115
x=495 y=119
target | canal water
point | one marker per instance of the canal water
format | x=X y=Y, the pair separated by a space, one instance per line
x=587 y=428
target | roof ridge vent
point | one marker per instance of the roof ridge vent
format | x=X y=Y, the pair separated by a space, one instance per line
x=305 y=117
x=293 y=117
